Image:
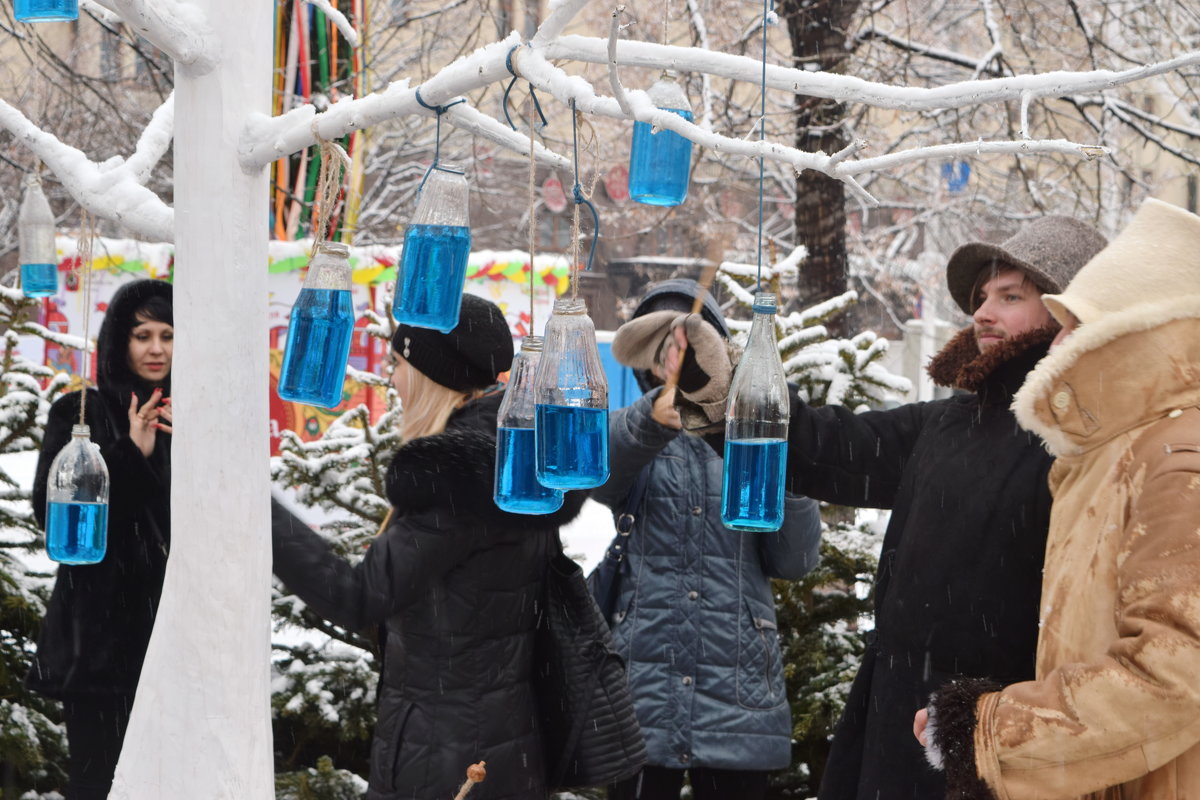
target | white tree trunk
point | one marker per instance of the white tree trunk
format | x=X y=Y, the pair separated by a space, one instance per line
x=201 y=721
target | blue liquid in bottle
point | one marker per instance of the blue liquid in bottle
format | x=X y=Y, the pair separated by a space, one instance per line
x=318 y=345
x=46 y=10
x=572 y=446
x=752 y=488
x=517 y=487
x=659 y=164
x=76 y=533
x=39 y=280
x=433 y=269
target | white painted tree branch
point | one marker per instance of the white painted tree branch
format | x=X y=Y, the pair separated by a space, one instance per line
x=559 y=16
x=154 y=142
x=339 y=20
x=178 y=28
x=846 y=88
x=614 y=80
x=269 y=138
x=112 y=193
x=102 y=13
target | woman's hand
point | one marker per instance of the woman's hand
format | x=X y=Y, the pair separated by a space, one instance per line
x=147 y=421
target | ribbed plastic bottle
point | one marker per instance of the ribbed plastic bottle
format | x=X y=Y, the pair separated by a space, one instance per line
x=320 y=331
x=77 y=502
x=661 y=162
x=433 y=264
x=35 y=238
x=46 y=10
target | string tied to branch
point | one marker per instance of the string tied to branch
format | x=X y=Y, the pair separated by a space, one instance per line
x=510 y=65
x=437 y=140
x=580 y=199
x=334 y=159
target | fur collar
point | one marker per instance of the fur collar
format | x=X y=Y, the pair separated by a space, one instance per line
x=454 y=471
x=1114 y=374
x=961 y=365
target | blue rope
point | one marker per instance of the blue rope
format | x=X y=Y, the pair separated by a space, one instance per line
x=508 y=90
x=762 y=136
x=437 y=141
x=577 y=190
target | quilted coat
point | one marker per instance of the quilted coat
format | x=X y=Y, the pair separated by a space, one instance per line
x=454 y=580
x=1114 y=712
x=696 y=623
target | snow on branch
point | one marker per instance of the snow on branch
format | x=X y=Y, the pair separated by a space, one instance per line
x=338 y=19
x=177 y=28
x=110 y=192
x=266 y=139
x=154 y=142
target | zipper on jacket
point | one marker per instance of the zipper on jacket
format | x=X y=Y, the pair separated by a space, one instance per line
x=762 y=626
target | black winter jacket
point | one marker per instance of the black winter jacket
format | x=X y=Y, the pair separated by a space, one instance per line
x=93 y=638
x=959 y=577
x=456 y=581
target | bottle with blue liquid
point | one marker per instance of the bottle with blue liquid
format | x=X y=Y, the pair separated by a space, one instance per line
x=433 y=264
x=35 y=239
x=517 y=488
x=320 y=331
x=77 y=502
x=46 y=10
x=571 y=393
x=661 y=161
x=756 y=424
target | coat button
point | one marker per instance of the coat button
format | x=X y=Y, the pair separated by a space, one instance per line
x=684 y=757
x=697 y=511
x=1062 y=400
x=687 y=680
x=693 y=595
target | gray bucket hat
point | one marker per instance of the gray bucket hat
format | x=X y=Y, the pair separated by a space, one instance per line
x=1049 y=250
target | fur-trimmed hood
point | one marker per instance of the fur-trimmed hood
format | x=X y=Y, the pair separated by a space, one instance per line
x=454 y=471
x=1114 y=374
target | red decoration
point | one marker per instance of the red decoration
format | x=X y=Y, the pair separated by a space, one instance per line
x=553 y=195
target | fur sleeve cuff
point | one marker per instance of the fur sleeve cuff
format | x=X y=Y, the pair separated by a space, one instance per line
x=951 y=736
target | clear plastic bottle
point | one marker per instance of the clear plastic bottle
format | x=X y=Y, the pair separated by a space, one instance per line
x=35 y=235
x=46 y=10
x=517 y=488
x=756 y=423
x=77 y=502
x=320 y=331
x=433 y=264
x=571 y=392
x=660 y=163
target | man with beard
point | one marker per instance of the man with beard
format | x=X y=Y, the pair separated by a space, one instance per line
x=959 y=575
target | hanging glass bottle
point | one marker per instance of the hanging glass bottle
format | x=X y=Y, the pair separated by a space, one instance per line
x=517 y=488
x=77 y=502
x=659 y=162
x=571 y=393
x=433 y=265
x=756 y=423
x=46 y=10
x=35 y=234
x=320 y=331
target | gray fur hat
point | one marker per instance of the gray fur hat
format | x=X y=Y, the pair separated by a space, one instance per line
x=1049 y=250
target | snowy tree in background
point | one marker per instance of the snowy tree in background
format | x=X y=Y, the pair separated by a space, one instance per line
x=820 y=616
x=32 y=740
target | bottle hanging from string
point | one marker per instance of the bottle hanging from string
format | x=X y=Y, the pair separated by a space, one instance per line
x=320 y=331
x=660 y=162
x=35 y=234
x=756 y=423
x=517 y=488
x=46 y=10
x=77 y=501
x=571 y=393
x=433 y=264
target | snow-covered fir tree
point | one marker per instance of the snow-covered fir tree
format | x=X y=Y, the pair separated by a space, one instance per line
x=32 y=738
x=820 y=617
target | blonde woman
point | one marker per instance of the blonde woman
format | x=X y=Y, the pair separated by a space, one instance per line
x=453 y=578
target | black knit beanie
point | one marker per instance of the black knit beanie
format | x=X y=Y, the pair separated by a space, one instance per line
x=471 y=356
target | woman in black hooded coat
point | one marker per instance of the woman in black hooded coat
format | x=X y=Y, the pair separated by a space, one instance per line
x=453 y=579
x=93 y=638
